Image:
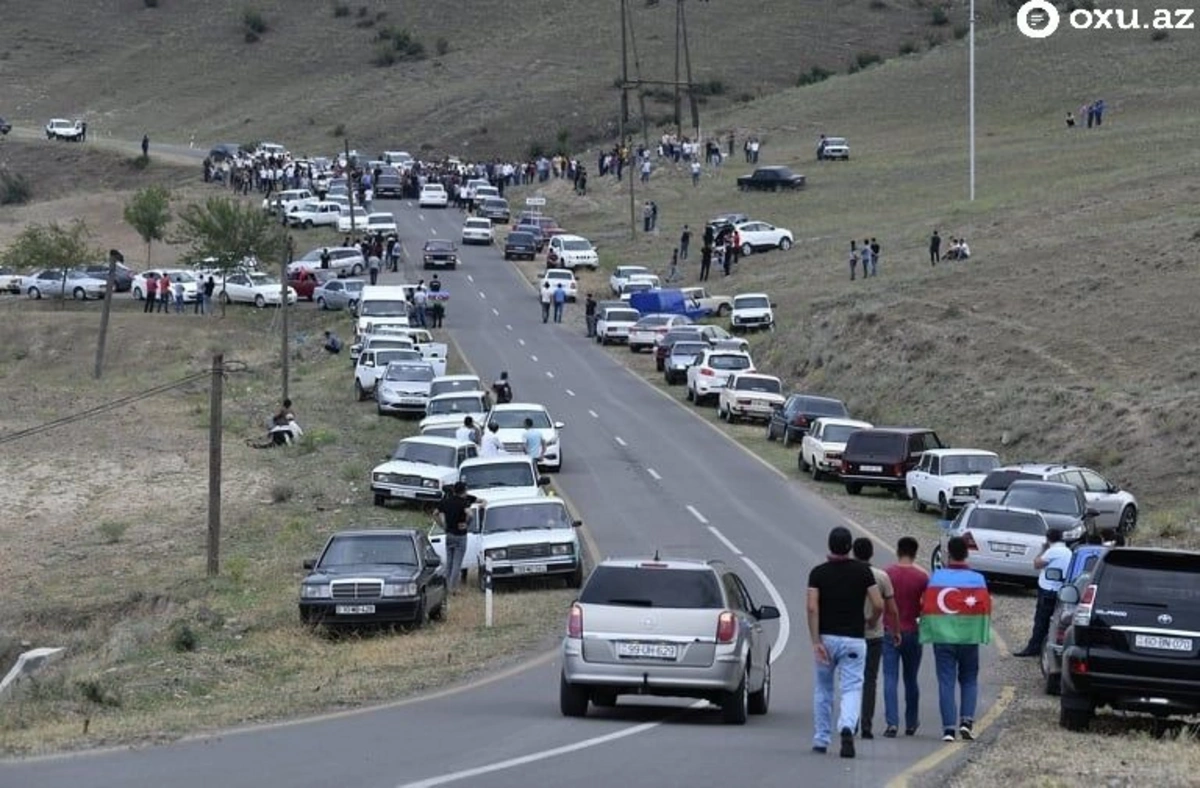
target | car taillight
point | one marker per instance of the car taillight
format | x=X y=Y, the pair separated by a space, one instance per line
x=800 y=420
x=726 y=627
x=845 y=467
x=1083 y=611
x=1077 y=665
x=706 y=371
x=899 y=470
x=833 y=455
x=969 y=538
x=575 y=622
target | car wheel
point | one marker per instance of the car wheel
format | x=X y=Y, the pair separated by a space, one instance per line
x=935 y=558
x=722 y=310
x=356 y=270
x=760 y=702
x=916 y=502
x=735 y=706
x=225 y=299
x=34 y=293
x=690 y=396
x=785 y=243
x=259 y=301
x=770 y=432
x=321 y=304
x=1128 y=522
x=747 y=250
x=853 y=489
x=576 y=578
x=943 y=506
x=137 y=294
x=604 y=699
x=817 y=473
x=380 y=500
x=572 y=699
x=1074 y=719
x=440 y=612
x=360 y=393
x=308 y=224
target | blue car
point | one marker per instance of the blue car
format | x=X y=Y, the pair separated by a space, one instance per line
x=1078 y=574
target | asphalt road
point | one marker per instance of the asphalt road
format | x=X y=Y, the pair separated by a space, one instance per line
x=645 y=475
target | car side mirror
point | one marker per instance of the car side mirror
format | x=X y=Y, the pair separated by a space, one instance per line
x=543 y=481
x=777 y=407
x=767 y=613
x=1054 y=574
x=1091 y=514
x=310 y=563
x=558 y=425
x=774 y=305
x=577 y=523
x=433 y=561
x=1068 y=595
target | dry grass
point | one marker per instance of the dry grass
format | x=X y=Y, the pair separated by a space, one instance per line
x=507 y=63
x=160 y=649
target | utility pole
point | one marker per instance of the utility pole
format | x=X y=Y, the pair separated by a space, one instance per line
x=216 y=392
x=114 y=257
x=678 y=105
x=625 y=111
x=687 y=59
x=283 y=307
x=971 y=107
x=350 y=184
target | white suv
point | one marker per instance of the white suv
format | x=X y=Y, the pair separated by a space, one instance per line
x=751 y=311
x=510 y=418
x=572 y=251
x=614 y=325
x=560 y=276
x=708 y=375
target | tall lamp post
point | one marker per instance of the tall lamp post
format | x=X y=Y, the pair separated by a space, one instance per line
x=971 y=97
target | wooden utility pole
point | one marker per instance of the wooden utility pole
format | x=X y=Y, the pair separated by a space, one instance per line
x=678 y=105
x=283 y=306
x=625 y=112
x=214 y=464
x=687 y=59
x=349 y=184
x=114 y=257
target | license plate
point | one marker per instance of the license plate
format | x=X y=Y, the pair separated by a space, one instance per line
x=355 y=610
x=1162 y=643
x=871 y=468
x=1011 y=549
x=529 y=569
x=647 y=651
x=411 y=400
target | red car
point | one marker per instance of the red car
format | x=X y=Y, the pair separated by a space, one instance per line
x=305 y=281
x=548 y=224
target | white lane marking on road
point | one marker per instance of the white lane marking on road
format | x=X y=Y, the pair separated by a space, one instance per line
x=495 y=311
x=570 y=393
x=549 y=374
x=594 y=414
x=654 y=474
x=422 y=216
x=533 y=359
x=506 y=325
x=696 y=513
x=785 y=621
x=721 y=538
x=482 y=294
x=433 y=230
x=470 y=278
x=521 y=342
x=620 y=441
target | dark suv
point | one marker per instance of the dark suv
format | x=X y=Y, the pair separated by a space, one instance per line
x=882 y=457
x=791 y=422
x=1135 y=641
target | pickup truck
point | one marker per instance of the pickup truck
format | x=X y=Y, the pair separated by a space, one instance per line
x=719 y=305
x=771 y=179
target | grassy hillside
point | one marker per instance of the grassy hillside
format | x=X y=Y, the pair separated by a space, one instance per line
x=185 y=68
x=1069 y=335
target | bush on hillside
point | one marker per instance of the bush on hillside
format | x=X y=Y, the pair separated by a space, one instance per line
x=908 y=48
x=877 y=5
x=442 y=46
x=866 y=59
x=960 y=31
x=404 y=45
x=1159 y=35
x=338 y=131
x=150 y=3
x=384 y=56
x=340 y=10
x=813 y=76
x=938 y=17
x=713 y=87
x=254 y=21
x=362 y=11
x=14 y=188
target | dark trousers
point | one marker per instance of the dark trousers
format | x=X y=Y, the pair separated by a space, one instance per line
x=545 y=312
x=934 y=256
x=646 y=224
x=150 y=299
x=903 y=661
x=870 y=683
x=558 y=310
x=164 y=302
x=591 y=325
x=1046 y=601
x=704 y=271
x=374 y=275
x=683 y=249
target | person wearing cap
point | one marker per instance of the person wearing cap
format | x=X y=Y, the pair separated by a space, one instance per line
x=839 y=591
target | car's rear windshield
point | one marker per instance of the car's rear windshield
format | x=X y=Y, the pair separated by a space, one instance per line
x=425 y=454
x=762 y=385
x=385 y=357
x=878 y=443
x=469 y=404
x=1012 y=522
x=688 y=348
x=1056 y=500
x=839 y=433
x=520 y=237
x=508 y=474
x=653 y=321
x=551 y=514
x=382 y=308
x=1150 y=578
x=515 y=419
x=447 y=386
x=351 y=550
x=820 y=406
x=652 y=587
x=728 y=361
x=621 y=315
x=969 y=463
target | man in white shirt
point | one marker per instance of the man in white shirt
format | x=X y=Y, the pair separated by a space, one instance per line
x=491 y=446
x=1055 y=555
x=467 y=433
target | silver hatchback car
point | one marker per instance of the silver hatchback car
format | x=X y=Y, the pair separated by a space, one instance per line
x=1002 y=540
x=668 y=628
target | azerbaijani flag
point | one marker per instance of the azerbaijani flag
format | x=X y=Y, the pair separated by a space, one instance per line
x=956 y=608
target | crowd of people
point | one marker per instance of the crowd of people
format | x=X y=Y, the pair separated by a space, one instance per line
x=162 y=293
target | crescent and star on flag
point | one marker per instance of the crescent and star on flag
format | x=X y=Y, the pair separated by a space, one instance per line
x=970 y=601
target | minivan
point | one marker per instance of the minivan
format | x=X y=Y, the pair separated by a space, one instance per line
x=882 y=457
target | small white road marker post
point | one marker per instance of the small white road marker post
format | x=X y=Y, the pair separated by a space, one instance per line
x=487 y=592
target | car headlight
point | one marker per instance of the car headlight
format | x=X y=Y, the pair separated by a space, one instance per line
x=962 y=491
x=1074 y=534
x=561 y=549
x=431 y=484
x=399 y=589
x=316 y=591
x=552 y=440
x=499 y=554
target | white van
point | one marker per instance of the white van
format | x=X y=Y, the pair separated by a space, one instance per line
x=382 y=304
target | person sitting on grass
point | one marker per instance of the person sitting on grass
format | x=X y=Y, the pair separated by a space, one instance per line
x=332 y=343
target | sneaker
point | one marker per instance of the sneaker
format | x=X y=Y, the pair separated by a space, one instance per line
x=910 y=731
x=820 y=749
x=847 y=743
x=868 y=735
x=964 y=730
x=948 y=734
x=890 y=733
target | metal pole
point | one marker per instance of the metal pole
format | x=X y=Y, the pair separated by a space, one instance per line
x=214 y=464
x=971 y=102
x=114 y=257
x=687 y=62
x=350 y=185
x=487 y=593
x=678 y=51
x=283 y=306
x=625 y=113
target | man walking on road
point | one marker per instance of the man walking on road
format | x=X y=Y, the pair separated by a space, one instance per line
x=560 y=298
x=535 y=442
x=373 y=268
x=547 y=298
x=1054 y=555
x=589 y=313
x=909 y=582
x=956 y=618
x=454 y=508
x=864 y=550
x=838 y=592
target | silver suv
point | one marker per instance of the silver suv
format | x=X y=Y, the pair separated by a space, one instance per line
x=1116 y=509
x=668 y=628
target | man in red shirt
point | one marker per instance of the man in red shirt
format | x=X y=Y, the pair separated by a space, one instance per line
x=908 y=582
x=151 y=293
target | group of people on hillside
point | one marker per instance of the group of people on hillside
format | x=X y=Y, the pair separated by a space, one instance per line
x=958 y=249
x=1093 y=112
x=867 y=254
x=161 y=293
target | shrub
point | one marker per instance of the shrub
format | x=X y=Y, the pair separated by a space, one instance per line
x=93 y=691
x=934 y=40
x=365 y=23
x=537 y=150
x=111 y=531
x=744 y=98
x=384 y=56
x=908 y=48
x=960 y=31
x=340 y=10
x=442 y=46
x=183 y=637
x=404 y=45
x=712 y=87
x=14 y=188
x=938 y=17
x=362 y=10
x=1159 y=35
x=338 y=131
x=254 y=22
x=150 y=3
x=814 y=75
x=282 y=492
x=877 y=5
x=865 y=59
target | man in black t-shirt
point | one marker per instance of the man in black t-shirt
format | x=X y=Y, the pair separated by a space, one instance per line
x=454 y=507
x=838 y=592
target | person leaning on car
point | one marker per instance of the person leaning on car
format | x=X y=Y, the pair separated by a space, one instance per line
x=454 y=507
x=1054 y=555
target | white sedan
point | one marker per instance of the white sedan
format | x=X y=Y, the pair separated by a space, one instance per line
x=433 y=195
x=749 y=395
x=560 y=276
x=478 y=231
x=360 y=219
x=253 y=288
x=50 y=284
x=510 y=418
x=760 y=236
x=190 y=283
x=620 y=277
x=315 y=214
x=384 y=223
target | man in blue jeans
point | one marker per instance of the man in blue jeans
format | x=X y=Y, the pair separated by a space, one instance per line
x=454 y=506
x=909 y=582
x=838 y=593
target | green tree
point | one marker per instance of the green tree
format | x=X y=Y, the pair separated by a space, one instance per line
x=224 y=232
x=149 y=212
x=50 y=245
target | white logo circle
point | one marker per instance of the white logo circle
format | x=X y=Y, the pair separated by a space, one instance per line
x=1037 y=19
